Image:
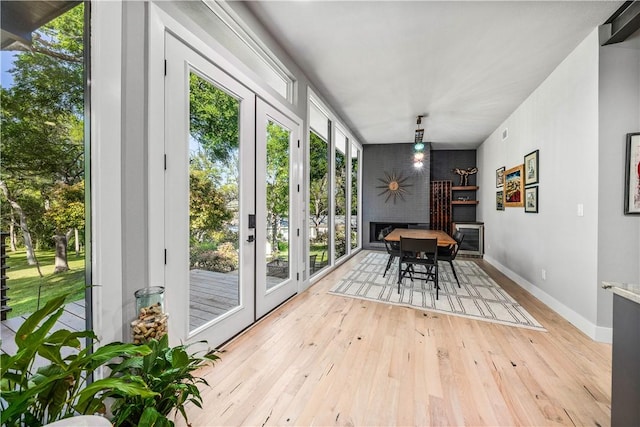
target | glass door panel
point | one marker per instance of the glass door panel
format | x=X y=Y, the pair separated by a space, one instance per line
x=318 y=201
x=214 y=282
x=277 y=239
x=355 y=184
x=340 y=195
x=278 y=203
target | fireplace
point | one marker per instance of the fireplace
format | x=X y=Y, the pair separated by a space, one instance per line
x=376 y=227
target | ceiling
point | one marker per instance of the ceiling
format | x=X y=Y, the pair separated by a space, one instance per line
x=466 y=65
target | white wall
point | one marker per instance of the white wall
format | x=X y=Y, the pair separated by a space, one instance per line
x=560 y=118
x=618 y=252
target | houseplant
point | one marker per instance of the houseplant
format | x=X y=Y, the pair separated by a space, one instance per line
x=146 y=383
x=61 y=389
x=168 y=371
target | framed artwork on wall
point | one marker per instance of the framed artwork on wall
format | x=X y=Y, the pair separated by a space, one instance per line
x=500 y=200
x=514 y=187
x=531 y=199
x=500 y=177
x=632 y=175
x=531 y=166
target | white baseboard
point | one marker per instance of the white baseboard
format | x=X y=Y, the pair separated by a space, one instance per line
x=593 y=331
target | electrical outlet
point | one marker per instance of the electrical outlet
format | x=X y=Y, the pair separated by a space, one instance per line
x=580 y=209
x=544 y=274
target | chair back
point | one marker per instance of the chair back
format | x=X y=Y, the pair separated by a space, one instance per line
x=411 y=247
x=458 y=237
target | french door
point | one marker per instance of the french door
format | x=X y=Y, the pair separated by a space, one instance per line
x=228 y=196
x=277 y=253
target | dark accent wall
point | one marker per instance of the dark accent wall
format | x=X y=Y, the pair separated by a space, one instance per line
x=444 y=161
x=442 y=164
x=381 y=158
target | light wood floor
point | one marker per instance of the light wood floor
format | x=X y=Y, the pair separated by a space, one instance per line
x=326 y=360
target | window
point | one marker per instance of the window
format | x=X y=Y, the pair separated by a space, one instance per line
x=355 y=201
x=43 y=160
x=318 y=200
x=340 y=194
x=248 y=48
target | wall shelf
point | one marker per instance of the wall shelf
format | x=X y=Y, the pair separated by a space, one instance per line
x=473 y=188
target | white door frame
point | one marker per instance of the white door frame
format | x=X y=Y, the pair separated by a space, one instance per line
x=267 y=299
x=181 y=61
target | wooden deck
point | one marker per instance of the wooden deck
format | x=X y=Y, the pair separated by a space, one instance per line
x=72 y=319
x=211 y=294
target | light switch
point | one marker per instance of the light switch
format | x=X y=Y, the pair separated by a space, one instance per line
x=580 y=209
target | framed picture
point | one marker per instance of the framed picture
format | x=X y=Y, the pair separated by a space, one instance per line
x=632 y=175
x=531 y=199
x=500 y=177
x=514 y=187
x=531 y=165
x=500 y=200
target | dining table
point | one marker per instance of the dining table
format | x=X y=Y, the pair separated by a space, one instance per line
x=417 y=233
x=442 y=237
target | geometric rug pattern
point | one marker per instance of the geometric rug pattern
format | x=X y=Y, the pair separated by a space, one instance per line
x=479 y=297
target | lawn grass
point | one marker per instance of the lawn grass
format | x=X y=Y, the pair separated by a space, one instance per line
x=24 y=281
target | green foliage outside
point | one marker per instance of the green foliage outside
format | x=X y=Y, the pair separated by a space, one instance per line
x=42 y=178
x=25 y=282
x=278 y=153
x=318 y=184
x=213 y=175
x=340 y=194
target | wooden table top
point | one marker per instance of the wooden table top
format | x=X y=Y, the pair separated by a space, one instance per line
x=443 y=238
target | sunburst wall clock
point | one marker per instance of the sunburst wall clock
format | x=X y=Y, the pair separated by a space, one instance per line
x=394 y=186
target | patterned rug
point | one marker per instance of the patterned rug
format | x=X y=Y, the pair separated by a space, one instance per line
x=479 y=297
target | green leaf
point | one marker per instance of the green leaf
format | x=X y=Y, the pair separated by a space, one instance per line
x=27 y=330
x=130 y=365
x=92 y=406
x=127 y=386
x=57 y=398
x=149 y=417
x=109 y=352
x=51 y=353
x=180 y=358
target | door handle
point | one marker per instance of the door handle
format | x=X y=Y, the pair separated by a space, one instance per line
x=251 y=238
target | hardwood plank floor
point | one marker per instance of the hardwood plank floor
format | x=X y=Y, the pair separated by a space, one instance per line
x=325 y=360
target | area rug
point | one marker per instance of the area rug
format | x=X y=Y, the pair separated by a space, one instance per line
x=479 y=297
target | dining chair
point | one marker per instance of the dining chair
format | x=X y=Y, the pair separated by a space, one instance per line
x=414 y=252
x=393 y=248
x=449 y=253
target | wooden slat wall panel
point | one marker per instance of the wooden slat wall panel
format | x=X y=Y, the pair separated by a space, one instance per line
x=440 y=208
